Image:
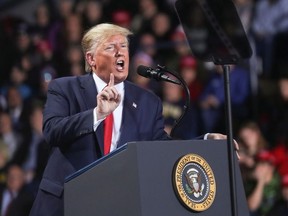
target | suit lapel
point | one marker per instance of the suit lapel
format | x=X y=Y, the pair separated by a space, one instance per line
x=88 y=90
x=89 y=94
x=129 y=128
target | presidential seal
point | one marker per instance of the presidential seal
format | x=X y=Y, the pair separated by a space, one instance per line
x=194 y=182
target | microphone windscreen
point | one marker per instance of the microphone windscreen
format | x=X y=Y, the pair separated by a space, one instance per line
x=142 y=70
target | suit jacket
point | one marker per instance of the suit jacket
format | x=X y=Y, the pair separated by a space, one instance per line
x=68 y=128
x=20 y=205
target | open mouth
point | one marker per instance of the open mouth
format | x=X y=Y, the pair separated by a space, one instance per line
x=120 y=64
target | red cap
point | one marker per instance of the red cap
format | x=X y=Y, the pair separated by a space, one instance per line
x=188 y=61
x=266 y=156
x=121 y=17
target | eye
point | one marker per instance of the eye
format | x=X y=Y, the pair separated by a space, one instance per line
x=124 y=45
x=109 y=47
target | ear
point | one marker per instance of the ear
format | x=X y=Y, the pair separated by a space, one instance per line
x=90 y=59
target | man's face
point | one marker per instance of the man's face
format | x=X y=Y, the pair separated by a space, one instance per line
x=112 y=57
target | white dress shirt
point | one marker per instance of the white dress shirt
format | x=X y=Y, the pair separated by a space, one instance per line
x=7 y=198
x=117 y=114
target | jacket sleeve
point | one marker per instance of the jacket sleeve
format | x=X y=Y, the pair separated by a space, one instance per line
x=63 y=122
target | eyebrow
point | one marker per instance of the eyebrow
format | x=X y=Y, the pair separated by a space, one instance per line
x=114 y=43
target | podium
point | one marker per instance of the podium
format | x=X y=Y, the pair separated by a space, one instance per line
x=139 y=179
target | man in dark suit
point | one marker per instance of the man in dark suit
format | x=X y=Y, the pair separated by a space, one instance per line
x=77 y=106
x=15 y=199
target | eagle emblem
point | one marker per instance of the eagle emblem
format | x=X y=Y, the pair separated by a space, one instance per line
x=195 y=185
x=194 y=182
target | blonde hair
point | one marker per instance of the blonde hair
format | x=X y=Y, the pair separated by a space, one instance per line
x=97 y=35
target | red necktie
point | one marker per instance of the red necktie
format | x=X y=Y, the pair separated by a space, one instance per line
x=108 y=126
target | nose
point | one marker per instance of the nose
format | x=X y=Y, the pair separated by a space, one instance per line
x=119 y=50
x=118 y=53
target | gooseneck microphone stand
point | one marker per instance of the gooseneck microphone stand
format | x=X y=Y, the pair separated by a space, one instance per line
x=162 y=69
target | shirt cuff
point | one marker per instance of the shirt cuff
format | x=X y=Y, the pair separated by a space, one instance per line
x=96 y=122
x=206 y=136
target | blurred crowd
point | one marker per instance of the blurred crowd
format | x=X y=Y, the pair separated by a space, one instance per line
x=35 y=51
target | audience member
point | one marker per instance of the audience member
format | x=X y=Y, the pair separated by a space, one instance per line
x=252 y=142
x=281 y=207
x=173 y=107
x=212 y=99
x=43 y=28
x=188 y=68
x=23 y=43
x=142 y=20
x=73 y=57
x=270 y=19
x=263 y=188
x=180 y=48
x=18 y=78
x=47 y=74
x=122 y=18
x=10 y=137
x=17 y=108
x=280 y=152
x=3 y=103
x=4 y=161
x=142 y=58
x=14 y=199
x=92 y=13
x=162 y=28
x=33 y=152
x=147 y=44
x=278 y=111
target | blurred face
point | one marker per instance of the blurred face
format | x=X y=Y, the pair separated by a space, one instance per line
x=23 y=41
x=42 y=15
x=65 y=7
x=75 y=55
x=94 y=11
x=250 y=138
x=36 y=120
x=148 y=7
x=5 y=123
x=181 y=45
x=161 y=24
x=73 y=28
x=189 y=74
x=112 y=57
x=15 y=178
x=147 y=43
x=14 y=98
x=172 y=92
x=17 y=75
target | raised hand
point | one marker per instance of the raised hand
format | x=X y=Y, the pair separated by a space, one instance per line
x=107 y=100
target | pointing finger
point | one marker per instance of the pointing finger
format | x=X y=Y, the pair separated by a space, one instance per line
x=111 y=82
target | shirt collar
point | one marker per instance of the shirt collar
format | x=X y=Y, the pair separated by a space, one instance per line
x=100 y=84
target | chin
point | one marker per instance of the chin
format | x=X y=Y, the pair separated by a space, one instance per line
x=120 y=78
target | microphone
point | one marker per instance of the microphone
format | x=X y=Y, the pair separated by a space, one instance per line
x=157 y=74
